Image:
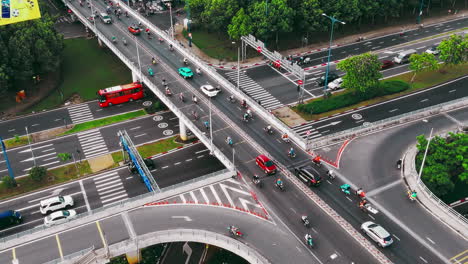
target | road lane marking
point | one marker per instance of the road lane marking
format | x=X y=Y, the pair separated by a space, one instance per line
x=13 y=251
x=204 y=196
x=182 y=197
x=201 y=156
x=140 y=135
x=101 y=234
x=383 y=188
x=393 y=110
x=85 y=196
x=396 y=237
x=371 y=217
x=430 y=240
x=453 y=119
x=133 y=128
x=59 y=246
x=128 y=178
x=188 y=160
x=451 y=91
x=425 y=261
x=194 y=197
x=164 y=167
x=197 y=152
x=424 y=100
x=11 y=130
x=35 y=125
x=177 y=163
x=215 y=194
x=349 y=199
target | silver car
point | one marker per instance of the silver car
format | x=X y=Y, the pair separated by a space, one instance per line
x=377 y=233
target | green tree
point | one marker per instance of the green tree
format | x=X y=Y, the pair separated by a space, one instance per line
x=271 y=19
x=219 y=13
x=422 y=62
x=38 y=173
x=310 y=14
x=8 y=182
x=454 y=50
x=196 y=7
x=362 y=72
x=241 y=25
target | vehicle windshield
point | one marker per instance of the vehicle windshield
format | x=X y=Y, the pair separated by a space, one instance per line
x=66 y=213
x=61 y=199
x=209 y=88
x=269 y=163
x=106 y=17
x=388 y=239
x=102 y=98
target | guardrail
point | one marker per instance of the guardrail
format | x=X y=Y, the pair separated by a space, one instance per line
x=132 y=66
x=72 y=258
x=269 y=117
x=115 y=208
x=391 y=121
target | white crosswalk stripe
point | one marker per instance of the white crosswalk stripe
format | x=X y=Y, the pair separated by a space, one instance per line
x=80 y=113
x=254 y=90
x=110 y=188
x=92 y=143
x=302 y=130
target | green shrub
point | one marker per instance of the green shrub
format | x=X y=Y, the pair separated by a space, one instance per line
x=64 y=156
x=38 y=173
x=393 y=86
x=8 y=182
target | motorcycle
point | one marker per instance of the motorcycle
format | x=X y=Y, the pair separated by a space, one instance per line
x=291 y=154
x=181 y=97
x=268 y=130
x=235 y=231
x=245 y=118
x=280 y=186
x=331 y=175
x=308 y=240
x=124 y=41
x=231 y=99
x=368 y=208
x=194 y=100
x=168 y=92
x=346 y=188
x=398 y=164
x=257 y=182
x=229 y=141
x=286 y=139
x=318 y=163
x=150 y=72
x=410 y=196
x=153 y=61
x=305 y=221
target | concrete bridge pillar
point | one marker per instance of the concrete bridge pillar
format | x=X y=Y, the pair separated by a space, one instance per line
x=135 y=77
x=183 y=130
x=133 y=257
x=100 y=43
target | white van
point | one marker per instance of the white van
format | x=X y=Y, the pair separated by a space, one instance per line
x=403 y=56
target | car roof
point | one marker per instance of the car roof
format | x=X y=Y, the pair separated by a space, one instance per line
x=381 y=231
x=263 y=157
x=310 y=169
x=51 y=200
x=7 y=213
x=58 y=213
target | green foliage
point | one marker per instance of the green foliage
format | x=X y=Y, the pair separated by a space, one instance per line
x=28 y=48
x=454 y=50
x=64 y=156
x=346 y=99
x=219 y=13
x=8 y=182
x=422 y=62
x=38 y=173
x=362 y=72
x=240 y=25
x=310 y=14
x=17 y=137
x=118 y=260
x=151 y=254
x=446 y=162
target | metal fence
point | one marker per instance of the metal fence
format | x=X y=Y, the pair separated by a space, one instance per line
x=391 y=121
x=68 y=258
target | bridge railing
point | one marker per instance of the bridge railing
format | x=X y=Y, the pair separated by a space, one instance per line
x=391 y=121
x=133 y=67
x=267 y=116
x=74 y=257
x=115 y=208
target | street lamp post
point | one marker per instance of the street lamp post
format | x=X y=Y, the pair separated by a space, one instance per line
x=172 y=26
x=211 y=128
x=238 y=66
x=138 y=55
x=333 y=20
x=424 y=158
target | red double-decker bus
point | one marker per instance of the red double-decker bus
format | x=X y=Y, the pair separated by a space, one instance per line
x=120 y=94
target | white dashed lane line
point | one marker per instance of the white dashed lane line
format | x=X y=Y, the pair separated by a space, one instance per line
x=424 y=100
x=393 y=110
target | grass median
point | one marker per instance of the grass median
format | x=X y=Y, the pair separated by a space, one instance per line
x=71 y=172
x=103 y=122
x=422 y=81
x=17 y=141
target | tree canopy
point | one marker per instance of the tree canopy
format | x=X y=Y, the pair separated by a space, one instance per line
x=362 y=72
x=454 y=50
x=28 y=48
x=422 y=62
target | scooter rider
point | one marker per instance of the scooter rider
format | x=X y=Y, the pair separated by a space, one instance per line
x=285 y=137
x=361 y=193
x=412 y=195
x=244 y=103
x=185 y=61
x=153 y=60
x=194 y=99
x=268 y=129
x=246 y=117
x=229 y=140
x=168 y=92
x=249 y=112
x=291 y=152
x=331 y=174
x=198 y=71
x=362 y=203
x=308 y=239
x=305 y=220
x=279 y=182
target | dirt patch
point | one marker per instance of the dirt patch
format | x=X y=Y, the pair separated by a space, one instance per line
x=101 y=163
x=49 y=134
x=74 y=99
x=288 y=116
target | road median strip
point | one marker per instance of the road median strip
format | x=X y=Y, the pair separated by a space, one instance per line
x=79 y=170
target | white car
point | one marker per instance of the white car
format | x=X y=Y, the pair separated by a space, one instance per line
x=336 y=84
x=377 y=233
x=210 y=90
x=56 y=203
x=59 y=217
x=433 y=50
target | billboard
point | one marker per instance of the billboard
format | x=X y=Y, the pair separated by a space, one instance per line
x=13 y=11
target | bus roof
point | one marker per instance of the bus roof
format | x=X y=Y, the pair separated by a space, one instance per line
x=6 y=213
x=121 y=87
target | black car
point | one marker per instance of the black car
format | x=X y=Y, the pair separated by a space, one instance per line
x=331 y=77
x=148 y=162
x=308 y=175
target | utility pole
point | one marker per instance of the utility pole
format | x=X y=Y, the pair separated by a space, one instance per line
x=333 y=20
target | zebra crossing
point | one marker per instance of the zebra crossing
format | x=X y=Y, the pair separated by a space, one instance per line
x=63 y=19
x=254 y=90
x=110 y=188
x=92 y=143
x=306 y=131
x=229 y=193
x=80 y=113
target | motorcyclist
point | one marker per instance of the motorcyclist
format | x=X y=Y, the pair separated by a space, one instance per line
x=150 y=71
x=185 y=61
x=194 y=99
x=124 y=41
x=305 y=219
x=168 y=92
x=229 y=140
x=246 y=117
x=331 y=174
x=362 y=203
x=360 y=193
x=114 y=39
x=279 y=182
x=198 y=71
x=285 y=137
x=308 y=239
x=181 y=97
x=231 y=98
x=412 y=194
x=268 y=129
x=153 y=60
x=249 y=112
x=316 y=160
x=207 y=124
x=255 y=178
x=244 y=103
x=170 y=47
x=291 y=152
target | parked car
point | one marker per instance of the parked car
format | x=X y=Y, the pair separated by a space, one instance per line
x=336 y=84
x=308 y=175
x=433 y=50
x=185 y=72
x=134 y=30
x=331 y=77
x=59 y=217
x=10 y=218
x=55 y=203
x=377 y=233
x=387 y=64
x=209 y=90
x=266 y=164
x=105 y=18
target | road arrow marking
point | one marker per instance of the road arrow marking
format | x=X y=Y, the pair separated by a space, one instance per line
x=330 y=124
x=186 y=218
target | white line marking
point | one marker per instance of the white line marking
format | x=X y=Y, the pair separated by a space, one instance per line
x=177 y=163
x=197 y=152
x=133 y=128
x=164 y=167
x=393 y=110
x=215 y=194
x=204 y=196
x=188 y=159
x=425 y=261
x=396 y=237
x=128 y=178
x=424 y=100
x=200 y=156
x=451 y=91
x=430 y=240
x=194 y=197
x=85 y=196
x=140 y=135
x=182 y=198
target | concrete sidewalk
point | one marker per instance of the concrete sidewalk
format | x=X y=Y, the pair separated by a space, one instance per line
x=427 y=199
